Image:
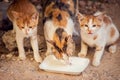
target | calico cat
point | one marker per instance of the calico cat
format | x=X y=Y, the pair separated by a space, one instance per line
x=58 y=27
x=24 y=17
x=97 y=31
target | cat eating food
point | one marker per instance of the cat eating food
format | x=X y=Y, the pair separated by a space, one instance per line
x=97 y=31
x=58 y=27
x=24 y=17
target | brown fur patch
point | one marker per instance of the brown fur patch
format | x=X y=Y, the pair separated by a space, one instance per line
x=65 y=9
x=59 y=43
x=112 y=32
x=57 y=54
x=86 y=19
x=95 y=37
x=49 y=9
x=107 y=20
x=64 y=15
x=24 y=13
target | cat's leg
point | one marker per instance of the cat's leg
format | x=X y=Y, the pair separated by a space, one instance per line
x=49 y=47
x=19 y=40
x=98 y=55
x=48 y=33
x=84 y=49
x=113 y=48
x=34 y=44
x=14 y=27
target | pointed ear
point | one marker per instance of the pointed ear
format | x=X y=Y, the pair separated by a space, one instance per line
x=16 y=14
x=35 y=16
x=80 y=16
x=100 y=15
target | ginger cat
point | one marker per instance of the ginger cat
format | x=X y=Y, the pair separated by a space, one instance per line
x=24 y=17
x=58 y=27
x=97 y=31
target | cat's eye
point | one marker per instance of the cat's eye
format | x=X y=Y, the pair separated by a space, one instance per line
x=30 y=27
x=94 y=25
x=22 y=27
x=86 y=25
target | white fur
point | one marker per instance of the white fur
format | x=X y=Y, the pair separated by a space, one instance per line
x=20 y=35
x=50 y=28
x=103 y=39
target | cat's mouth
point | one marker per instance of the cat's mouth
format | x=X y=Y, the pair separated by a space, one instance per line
x=90 y=32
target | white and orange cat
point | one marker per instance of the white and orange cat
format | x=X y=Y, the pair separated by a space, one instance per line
x=58 y=27
x=24 y=17
x=97 y=31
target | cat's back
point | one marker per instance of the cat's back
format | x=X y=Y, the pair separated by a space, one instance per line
x=21 y=6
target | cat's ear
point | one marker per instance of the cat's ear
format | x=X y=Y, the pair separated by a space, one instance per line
x=35 y=16
x=80 y=16
x=100 y=15
x=16 y=14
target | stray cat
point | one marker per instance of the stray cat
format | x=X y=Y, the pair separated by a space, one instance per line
x=24 y=17
x=58 y=27
x=97 y=31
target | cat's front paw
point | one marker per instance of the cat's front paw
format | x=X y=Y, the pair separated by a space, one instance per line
x=112 y=48
x=95 y=63
x=38 y=59
x=81 y=55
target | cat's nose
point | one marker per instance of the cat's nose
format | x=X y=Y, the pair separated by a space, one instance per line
x=89 y=32
x=26 y=32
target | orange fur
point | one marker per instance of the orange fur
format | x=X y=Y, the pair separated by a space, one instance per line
x=23 y=14
x=24 y=17
x=59 y=43
x=64 y=15
x=85 y=21
x=49 y=9
x=57 y=54
x=107 y=20
x=112 y=32
x=58 y=18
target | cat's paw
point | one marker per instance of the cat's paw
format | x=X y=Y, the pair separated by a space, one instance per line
x=38 y=59
x=81 y=55
x=112 y=48
x=95 y=63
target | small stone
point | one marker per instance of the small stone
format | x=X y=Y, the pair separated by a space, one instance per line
x=9 y=55
x=3 y=56
x=31 y=59
x=14 y=59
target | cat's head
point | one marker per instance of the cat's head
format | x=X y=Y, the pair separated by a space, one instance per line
x=59 y=44
x=26 y=23
x=90 y=24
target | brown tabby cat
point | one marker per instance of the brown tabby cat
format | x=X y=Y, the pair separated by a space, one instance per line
x=97 y=31
x=24 y=17
x=58 y=27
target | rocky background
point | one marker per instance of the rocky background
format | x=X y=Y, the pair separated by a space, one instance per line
x=13 y=69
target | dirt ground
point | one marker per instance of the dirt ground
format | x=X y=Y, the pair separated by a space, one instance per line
x=13 y=69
